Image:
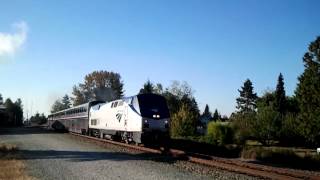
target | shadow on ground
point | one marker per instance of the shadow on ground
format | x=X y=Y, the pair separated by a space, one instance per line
x=25 y=130
x=80 y=156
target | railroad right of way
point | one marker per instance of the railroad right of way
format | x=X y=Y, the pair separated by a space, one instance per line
x=232 y=165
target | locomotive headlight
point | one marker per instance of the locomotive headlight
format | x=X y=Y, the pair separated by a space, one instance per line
x=154 y=116
x=158 y=116
x=166 y=124
x=146 y=124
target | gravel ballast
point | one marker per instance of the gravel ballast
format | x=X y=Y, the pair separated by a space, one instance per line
x=50 y=155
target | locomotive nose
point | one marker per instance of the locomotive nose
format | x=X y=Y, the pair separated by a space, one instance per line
x=155 y=124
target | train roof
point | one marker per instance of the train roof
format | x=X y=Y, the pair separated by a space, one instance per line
x=79 y=106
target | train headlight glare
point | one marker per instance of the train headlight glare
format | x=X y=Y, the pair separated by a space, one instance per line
x=158 y=116
x=154 y=116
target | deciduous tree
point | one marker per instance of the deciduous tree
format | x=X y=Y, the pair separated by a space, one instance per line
x=183 y=123
x=98 y=85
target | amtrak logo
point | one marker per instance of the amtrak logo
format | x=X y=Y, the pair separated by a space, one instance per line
x=119 y=116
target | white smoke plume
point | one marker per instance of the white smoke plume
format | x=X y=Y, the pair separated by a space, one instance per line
x=11 y=42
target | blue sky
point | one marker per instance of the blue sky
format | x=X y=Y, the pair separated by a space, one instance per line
x=213 y=45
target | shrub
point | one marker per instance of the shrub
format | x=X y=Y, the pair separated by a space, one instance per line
x=183 y=123
x=219 y=134
x=242 y=124
x=266 y=127
x=291 y=131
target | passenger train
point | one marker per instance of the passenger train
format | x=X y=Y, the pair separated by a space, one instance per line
x=143 y=118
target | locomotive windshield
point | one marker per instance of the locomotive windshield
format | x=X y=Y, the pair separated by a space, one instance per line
x=153 y=106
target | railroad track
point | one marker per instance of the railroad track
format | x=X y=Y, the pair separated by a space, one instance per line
x=221 y=163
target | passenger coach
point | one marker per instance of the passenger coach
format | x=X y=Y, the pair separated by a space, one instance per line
x=74 y=119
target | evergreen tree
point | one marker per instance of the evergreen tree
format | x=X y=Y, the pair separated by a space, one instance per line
x=216 y=115
x=158 y=89
x=15 y=112
x=246 y=103
x=192 y=105
x=39 y=119
x=9 y=108
x=280 y=96
x=308 y=94
x=57 y=106
x=18 y=111
x=206 y=112
x=1 y=99
x=66 y=102
x=148 y=88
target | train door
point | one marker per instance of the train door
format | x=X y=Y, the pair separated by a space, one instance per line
x=125 y=114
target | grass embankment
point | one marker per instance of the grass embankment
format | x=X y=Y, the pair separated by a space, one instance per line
x=274 y=156
x=286 y=157
x=200 y=145
x=10 y=165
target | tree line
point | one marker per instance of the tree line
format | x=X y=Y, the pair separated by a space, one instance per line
x=273 y=118
x=108 y=86
x=11 y=113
